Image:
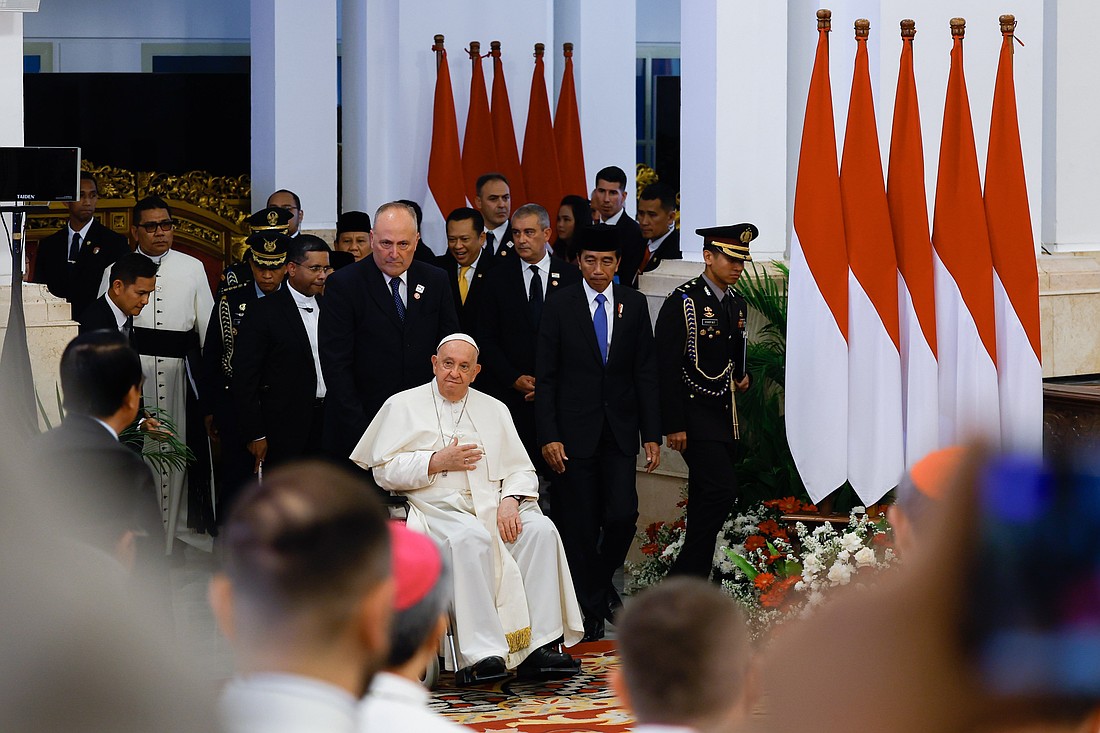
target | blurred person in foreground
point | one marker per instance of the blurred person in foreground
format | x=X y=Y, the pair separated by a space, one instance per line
x=305 y=597
x=397 y=700
x=685 y=659
x=921 y=489
x=897 y=657
x=454 y=452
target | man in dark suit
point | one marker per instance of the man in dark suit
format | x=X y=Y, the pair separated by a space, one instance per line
x=277 y=383
x=464 y=264
x=102 y=486
x=508 y=325
x=71 y=262
x=133 y=278
x=382 y=321
x=494 y=201
x=596 y=373
x=657 y=220
x=701 y=348
x=608 y=199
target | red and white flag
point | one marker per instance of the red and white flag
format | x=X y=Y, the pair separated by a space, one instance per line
x=966 y=329
x=567 y=133
x=444 y=160
x=1016 y=278
x=540 y=156
x=504 y=132
x=479 y=155
x=913 y=245
x=817 y=318
x=875 y=446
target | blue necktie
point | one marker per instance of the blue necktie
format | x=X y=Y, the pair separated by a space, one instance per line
x=395 y=285
x=599 y=322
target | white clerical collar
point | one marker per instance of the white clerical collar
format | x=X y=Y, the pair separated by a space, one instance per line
x=120 y=317
x=301 y=300
x=443 y=400
x=155 y=258
x=612 y=221
x=83 y=230
x=389 y=686
x=591 y=294
x=656 y=243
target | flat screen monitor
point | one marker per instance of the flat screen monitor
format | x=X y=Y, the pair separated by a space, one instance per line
x=39 y=174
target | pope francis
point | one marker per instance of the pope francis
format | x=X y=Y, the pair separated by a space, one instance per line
x=455 y=454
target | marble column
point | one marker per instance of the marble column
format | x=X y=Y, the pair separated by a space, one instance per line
x=294 y=105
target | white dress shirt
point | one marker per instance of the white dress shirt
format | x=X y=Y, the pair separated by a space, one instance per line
x=394 y=703
x=609 y=307
x=498 y=236
x=83 y=235
x=612 y=221
x=543 y=266
x=310 y=318
x=654 y=244
x=120 y=317
x=286 y=703
x=403 y=289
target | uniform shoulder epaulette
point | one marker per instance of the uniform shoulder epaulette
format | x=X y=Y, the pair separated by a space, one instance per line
x=684 y=287
x=231 y=288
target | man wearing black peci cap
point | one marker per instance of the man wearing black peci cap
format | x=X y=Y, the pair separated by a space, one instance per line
x=701 y=353
x=595 y=371
x=353 y=234
x=266 y=262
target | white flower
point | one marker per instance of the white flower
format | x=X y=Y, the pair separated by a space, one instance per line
x=865 y=557
x=815 y=599
x=840 y=573
x=821 y=529
x=843 y=556
x=811 y=565
x=859 y=510
x=800 y=585
x=851 y=542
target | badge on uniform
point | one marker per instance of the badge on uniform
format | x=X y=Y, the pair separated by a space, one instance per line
x=708 y=312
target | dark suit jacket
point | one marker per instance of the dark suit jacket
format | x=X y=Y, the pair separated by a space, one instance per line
x=631 y=247
x=78 y=283
x=468 y=311
x=503 y=250
x=669 y=250
x=367 y=353
x=506 y=335
x=274 y=378
x=99 y=317
x=576 y=392
x=100 y=484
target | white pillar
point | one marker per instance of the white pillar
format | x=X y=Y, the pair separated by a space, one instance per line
x=733 y=124
x=1071 y=148
x=11 y=92
x=604 y=34
x=353 y=135
x=294 y=105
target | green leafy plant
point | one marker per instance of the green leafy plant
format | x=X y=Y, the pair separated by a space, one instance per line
x=163 y=450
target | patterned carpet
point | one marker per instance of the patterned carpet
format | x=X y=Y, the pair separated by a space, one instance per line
x=583 y=702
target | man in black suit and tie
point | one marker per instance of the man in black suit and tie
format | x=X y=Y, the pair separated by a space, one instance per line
x=71 y=262
x=102 y=486
x=464 y=263
x=508 y=324
x=656 y=217
x=596 y=373
x=383 y=319
x=608 y=199
x=494 y=201
x=277 y=382
x=133 y=278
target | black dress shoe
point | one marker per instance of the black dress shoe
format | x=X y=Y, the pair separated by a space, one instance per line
x=548 y=663
x=614 y=604
x=489 y=669
x=593 y=629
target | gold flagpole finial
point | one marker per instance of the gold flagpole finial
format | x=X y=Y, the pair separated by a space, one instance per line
x=958 y=27
x=908 y=28
x=824 y=19
x=863 y=28
x=540 y=49
x=1008 y=24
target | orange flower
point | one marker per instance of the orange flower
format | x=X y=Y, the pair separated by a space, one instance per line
x=769 y=527
x=881 y=540
x=756 y=542
x=763 y=581
x=772 y=503
x=773 y=598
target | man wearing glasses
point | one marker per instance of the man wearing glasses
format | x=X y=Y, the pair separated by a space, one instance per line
x=169 y=332
x=277 y=382
x=382 y=319
x=288 y=200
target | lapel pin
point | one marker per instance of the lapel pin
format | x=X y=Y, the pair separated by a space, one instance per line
x=619 y=308
x=419 y=289
x=555 y=275
x=416 y=296
x=95 y=250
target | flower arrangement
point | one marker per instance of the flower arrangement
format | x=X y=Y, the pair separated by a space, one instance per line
x=776 y=577
x=775 y=571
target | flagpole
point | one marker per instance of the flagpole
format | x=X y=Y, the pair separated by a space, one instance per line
x=438 y=48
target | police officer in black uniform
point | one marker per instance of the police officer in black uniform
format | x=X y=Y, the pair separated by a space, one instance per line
x=266 y=263
x=269 y=220
x=700 y=338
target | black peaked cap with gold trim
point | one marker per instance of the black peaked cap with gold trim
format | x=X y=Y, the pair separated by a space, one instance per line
x=732 y=241
x=271 y=219
x=269 y=249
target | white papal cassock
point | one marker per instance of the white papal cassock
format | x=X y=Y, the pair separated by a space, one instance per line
x=509 y=599
x=179 y=306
